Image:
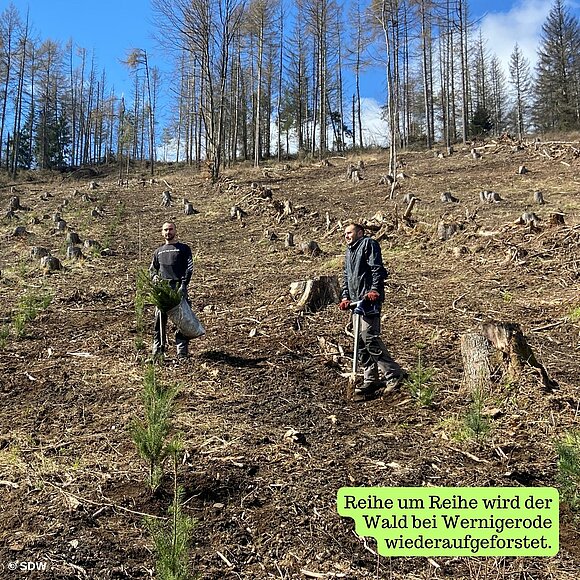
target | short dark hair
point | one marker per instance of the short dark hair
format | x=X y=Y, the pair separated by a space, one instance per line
x=358 y=227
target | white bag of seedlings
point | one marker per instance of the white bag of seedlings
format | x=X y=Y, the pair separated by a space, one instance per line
x=185 y=320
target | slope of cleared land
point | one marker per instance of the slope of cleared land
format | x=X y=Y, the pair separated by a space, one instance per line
x=72 y=485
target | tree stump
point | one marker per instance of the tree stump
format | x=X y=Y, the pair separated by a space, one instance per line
x=446 y=231
x=523 y=170
x=529 y=219
x=50 y=263
x=386 y=179
x=477 y=368
x=237 y=213
x=38 y=252
x=74 y=253
x=10 y=215
x=56 y=217
x=92 y=244
x=310 y=248
x=490 y=197
x=509 y=339
x=448 y=197
x=539 y=197
x=166 y=199
x=317 y=293
x=73 y=238
x=15 y=203
x=188 y=209
x=289 y=240
x=557 y=219
x=61 y=225
x=93 y=185
x=410 y=206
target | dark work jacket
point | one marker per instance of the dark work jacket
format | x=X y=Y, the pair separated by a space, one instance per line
x=363 y=270
x=173 y=262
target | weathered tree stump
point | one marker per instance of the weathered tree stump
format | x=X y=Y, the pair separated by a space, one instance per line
x=539 y=197
x=237 y=213
x=15 y=203
x=74 y=253
x=529 y=219
x=315 y=294
x=92 y=245
x=270 y=235
x=289 y=240
x=38 y=252
x=93 y=185
x=448 y=197
x=61 y=225
x=557 y=219
x=166 y=198
x=50 y=263
x=284 y=211
x=310 y=248
x=508 y=338
x=56 y=217
x=446 y=230
x=386 y=179
x=73 y=238
x=477 y=368
x=188 y=209
x=490 y=196
x=475 y=154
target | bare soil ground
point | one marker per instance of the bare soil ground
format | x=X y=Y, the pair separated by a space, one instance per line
x=71 y=483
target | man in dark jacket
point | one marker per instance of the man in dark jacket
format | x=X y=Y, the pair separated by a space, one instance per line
x=172 y=262
x=364 y=280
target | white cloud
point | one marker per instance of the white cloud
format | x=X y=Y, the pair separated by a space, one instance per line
x=375 y=129
x=522 y=23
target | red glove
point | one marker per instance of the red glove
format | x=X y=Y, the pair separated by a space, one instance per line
x=344 y=304
x=373 y=296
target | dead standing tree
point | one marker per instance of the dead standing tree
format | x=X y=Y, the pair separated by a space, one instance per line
x=206 y=30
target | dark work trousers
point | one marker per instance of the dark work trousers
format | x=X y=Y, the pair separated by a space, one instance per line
x=377 y=362
x=160 y=335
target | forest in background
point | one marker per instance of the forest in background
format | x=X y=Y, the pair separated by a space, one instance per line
x=260 y=78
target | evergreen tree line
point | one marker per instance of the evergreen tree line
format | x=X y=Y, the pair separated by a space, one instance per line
x=256 y=79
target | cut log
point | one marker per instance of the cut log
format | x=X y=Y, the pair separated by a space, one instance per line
x=316 y=293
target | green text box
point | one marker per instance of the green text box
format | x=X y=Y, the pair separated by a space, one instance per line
x=455 y=521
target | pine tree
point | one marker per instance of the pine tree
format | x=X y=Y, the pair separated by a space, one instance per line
x=558 y=71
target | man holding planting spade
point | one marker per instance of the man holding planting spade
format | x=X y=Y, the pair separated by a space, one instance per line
x=172 y=262
x=364 y=283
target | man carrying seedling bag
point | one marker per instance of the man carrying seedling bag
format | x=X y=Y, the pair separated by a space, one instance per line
x=172 y=265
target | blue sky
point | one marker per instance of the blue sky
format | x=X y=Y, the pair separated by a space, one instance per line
x=111 y=28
